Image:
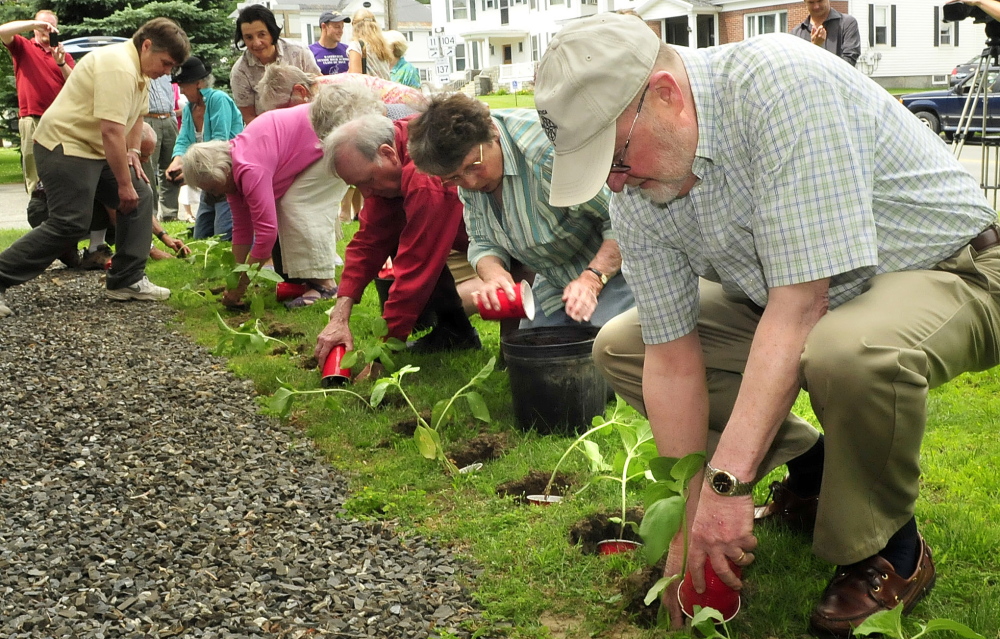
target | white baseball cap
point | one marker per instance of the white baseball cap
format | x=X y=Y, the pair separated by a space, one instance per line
x=591 y=72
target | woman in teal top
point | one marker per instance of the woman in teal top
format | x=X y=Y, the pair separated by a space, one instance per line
x=209 y=114
x=402 y=71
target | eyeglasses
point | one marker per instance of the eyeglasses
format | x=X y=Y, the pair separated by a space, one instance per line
x=620 y=166
x=451 y=179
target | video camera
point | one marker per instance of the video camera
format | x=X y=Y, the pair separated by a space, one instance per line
x=956 y=11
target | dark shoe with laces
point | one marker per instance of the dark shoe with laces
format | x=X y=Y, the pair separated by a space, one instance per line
x=860 y=590
x=95 y=261
x=443 y=339
x=785 y=507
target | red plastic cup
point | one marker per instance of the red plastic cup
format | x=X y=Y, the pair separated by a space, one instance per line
x=717 y=594
x=523 y=304
x=333 y=374
x=289 y=291
x=615 y=546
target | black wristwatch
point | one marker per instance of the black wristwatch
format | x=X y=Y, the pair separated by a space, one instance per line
x=601 y=276
x=725 y=483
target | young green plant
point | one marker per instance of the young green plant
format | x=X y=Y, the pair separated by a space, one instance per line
x=248 y=337
x=889 y=624
x=589 y=448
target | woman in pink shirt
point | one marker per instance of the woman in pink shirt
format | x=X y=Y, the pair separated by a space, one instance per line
x=276 y=187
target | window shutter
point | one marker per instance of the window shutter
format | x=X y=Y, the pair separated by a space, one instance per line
x=956 y=32
x=447 y=10
x=937 y=27
x=893 y=25
x=871 y=25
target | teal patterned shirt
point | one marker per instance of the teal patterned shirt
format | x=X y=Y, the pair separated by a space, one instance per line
x=555 y=242
x=808 y=170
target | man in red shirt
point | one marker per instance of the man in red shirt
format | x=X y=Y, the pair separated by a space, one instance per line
x=409 y=216
x=40 y=70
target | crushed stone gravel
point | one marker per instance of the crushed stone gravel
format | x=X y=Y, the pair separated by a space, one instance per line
x=141 y=495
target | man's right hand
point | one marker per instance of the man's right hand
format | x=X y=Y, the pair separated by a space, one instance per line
x=337 y=331
x=128 y=199
x=487 y=295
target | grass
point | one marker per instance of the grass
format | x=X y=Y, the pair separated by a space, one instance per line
x=10 y=166
x=529 y=581
x=509 y=101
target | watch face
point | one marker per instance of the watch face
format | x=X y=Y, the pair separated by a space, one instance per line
x=722 y=483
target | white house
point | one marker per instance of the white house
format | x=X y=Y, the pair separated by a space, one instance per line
x=902 y=43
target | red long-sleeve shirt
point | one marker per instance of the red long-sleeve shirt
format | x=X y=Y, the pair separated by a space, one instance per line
x=418 y=230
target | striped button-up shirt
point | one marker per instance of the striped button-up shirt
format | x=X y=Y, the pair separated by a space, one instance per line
x=161 y=96
x=808 y=170
x=555 y=242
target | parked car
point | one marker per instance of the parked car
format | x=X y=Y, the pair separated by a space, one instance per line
x=963 y=70
x=79 y=47
x=942 y=109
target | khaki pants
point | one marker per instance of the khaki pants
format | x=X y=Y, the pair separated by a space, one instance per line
x=867 y=366
x=26 y=128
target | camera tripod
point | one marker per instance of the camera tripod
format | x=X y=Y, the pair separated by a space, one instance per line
x=979 y=93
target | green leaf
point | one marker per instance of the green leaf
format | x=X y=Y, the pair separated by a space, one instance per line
x=258 y=343
x=656 y=491
x=947 y=625
x=478 y=406
x=332 y=403
x=386 y=360
x=232 y=280
x=256 y=305
x=659 y=525
x=886 y=622
x=439 y=414
x=661 y=467
x=394 y=344
x=629 y=437
x=688 y=466
x=380 y=328
x=269 y=275
x=281 y=401
x=656 y=591
x=241 y=268
x=349 y=359
x=597 y=420
x=705 y=621
x=484 y=372
x=428 y=441
x=592 y=451
x=378 y=392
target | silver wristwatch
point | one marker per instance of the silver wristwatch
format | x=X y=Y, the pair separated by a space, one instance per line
x=725 y=483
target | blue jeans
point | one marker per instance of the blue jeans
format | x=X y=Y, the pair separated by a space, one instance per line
x=213 y=218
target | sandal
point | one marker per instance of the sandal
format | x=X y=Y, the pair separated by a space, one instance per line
x=303 y=300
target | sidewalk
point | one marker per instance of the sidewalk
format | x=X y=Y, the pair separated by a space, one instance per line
x=13 y=202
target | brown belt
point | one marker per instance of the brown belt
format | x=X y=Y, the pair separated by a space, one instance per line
x=989 y=238
x=160 y=116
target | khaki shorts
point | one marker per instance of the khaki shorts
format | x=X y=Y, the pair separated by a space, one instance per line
x=461 y=270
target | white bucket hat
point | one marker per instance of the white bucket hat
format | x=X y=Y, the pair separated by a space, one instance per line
x=591 y=72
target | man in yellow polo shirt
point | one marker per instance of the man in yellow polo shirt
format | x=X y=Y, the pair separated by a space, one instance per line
x=86 y=148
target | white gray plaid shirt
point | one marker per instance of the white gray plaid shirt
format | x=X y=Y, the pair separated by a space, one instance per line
x=809 y=170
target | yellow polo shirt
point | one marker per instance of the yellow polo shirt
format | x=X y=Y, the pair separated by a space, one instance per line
x=107 y=84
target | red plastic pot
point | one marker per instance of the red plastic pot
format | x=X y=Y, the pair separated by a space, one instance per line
x=717 y=594
x=615 y=546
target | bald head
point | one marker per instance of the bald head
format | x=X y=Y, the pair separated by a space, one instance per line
x=148 y=143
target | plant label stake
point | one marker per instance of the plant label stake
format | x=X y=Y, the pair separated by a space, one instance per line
x=717 y=594
x=333 y=374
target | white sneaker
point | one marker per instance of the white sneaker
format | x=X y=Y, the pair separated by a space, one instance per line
x=5 y=310
x=141 y=290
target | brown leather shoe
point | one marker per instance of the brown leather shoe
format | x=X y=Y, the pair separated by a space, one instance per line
x=860 y=590
x=785 y=507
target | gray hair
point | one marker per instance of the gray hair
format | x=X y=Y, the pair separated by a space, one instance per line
x=208 y=162
x=333 y=105
x=207 y=82
x=275 y=87
x=366 y=134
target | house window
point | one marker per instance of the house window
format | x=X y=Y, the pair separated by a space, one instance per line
x=552 y=2
x=945 y=33
x=425 y=75
x=772 y=22
x=520 y=47
x=460 y=9
x=460 y=57
x=409 y=35
x=882 y=25
x=535 y=54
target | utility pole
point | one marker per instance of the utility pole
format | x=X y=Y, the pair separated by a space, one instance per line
x=390 y=14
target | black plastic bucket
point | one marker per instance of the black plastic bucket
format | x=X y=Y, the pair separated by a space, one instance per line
x=554 y=384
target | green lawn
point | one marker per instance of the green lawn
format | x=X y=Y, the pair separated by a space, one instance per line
x=532 y=583
x=509 y=101
x=10 y=166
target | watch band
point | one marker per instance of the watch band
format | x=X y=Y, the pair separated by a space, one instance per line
x=601 y=276
x=725 y=483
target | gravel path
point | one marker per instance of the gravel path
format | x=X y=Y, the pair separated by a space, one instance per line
x=142 y=496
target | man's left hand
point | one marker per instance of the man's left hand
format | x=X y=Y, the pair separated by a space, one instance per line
x=818 y=35
x=136 y=164
x=722 y=531
x=580 y=297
